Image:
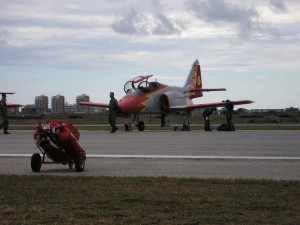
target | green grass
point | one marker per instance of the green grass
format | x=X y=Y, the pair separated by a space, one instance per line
x=88 y=122
x=140 y=200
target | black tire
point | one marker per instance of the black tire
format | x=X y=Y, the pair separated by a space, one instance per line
x=141 y=126
x=80 y=163
x=36 y=162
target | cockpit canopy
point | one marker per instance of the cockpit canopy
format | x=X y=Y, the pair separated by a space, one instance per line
x=141 y=84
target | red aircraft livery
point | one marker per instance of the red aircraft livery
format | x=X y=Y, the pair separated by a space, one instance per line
x=143 y=96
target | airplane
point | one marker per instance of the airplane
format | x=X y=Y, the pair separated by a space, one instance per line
x=11 y=105
x=151 y=97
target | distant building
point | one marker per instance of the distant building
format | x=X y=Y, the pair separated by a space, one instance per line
x=13 y=110
x=266 y=110
x=259 y=110
x=41 y=104
x=58 y=104
x=82 y=108
x=70 y=108
x=30 y=109
x=292 y=110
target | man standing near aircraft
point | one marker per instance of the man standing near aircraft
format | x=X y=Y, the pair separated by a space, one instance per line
x=113 y=109
x=229 y=107
x=4 y=114
x=206 y=114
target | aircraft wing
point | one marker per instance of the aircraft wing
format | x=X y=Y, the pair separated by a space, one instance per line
x=8 y=93
x=11 y=105
x=215 y=104
x=14 y=105
x=103 y=105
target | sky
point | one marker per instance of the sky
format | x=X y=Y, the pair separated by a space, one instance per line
x=74 y=47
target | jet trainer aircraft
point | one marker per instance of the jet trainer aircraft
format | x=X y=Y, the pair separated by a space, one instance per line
x=143 y=96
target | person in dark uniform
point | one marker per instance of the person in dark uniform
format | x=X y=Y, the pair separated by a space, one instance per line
x=4 y=114
x=229 y=107
x=206 y=114
x=112 y=112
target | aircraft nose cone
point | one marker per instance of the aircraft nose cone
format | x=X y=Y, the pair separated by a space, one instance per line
x=131 y=104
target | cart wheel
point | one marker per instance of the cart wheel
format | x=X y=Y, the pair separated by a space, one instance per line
x=80 y=163
x=36 y=162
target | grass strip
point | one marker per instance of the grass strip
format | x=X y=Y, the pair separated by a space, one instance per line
x=146 y=200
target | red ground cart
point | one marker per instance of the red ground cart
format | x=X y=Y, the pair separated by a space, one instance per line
x=59 y=142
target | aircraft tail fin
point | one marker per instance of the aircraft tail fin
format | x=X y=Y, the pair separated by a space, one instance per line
x=193 y=83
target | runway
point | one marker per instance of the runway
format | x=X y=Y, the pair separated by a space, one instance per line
x=240 y=154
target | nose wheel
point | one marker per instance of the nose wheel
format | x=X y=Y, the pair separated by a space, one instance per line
x=139 y=124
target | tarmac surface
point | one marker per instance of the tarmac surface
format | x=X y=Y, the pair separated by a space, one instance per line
x=240 y=154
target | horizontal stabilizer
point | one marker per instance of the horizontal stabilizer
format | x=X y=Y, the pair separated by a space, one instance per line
x=102 y=105
x=215 y=104
x=219 y=104
x=208 y=89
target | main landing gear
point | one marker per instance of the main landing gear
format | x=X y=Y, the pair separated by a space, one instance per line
x=139 y=124
x=165 y=122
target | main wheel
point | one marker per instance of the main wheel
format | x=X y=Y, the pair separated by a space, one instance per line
x=80 y=163
x=36 y=162
x=141 y=126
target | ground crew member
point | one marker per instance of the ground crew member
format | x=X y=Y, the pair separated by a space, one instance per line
x=229 y=107
x=113 y=110
x=4 y=114
x=206 y=114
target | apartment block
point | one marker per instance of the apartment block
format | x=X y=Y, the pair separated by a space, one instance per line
x=41 y=104
x=58 y=104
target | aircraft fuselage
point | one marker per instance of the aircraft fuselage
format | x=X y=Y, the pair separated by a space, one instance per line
x=155 y=101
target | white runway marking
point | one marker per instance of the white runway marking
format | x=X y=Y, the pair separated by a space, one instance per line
x=171 y=157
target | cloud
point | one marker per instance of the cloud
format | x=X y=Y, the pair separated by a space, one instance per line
x=144 y=23
x=161 y=32
x=219 y=12
x=278 y=6
x=4 y=36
